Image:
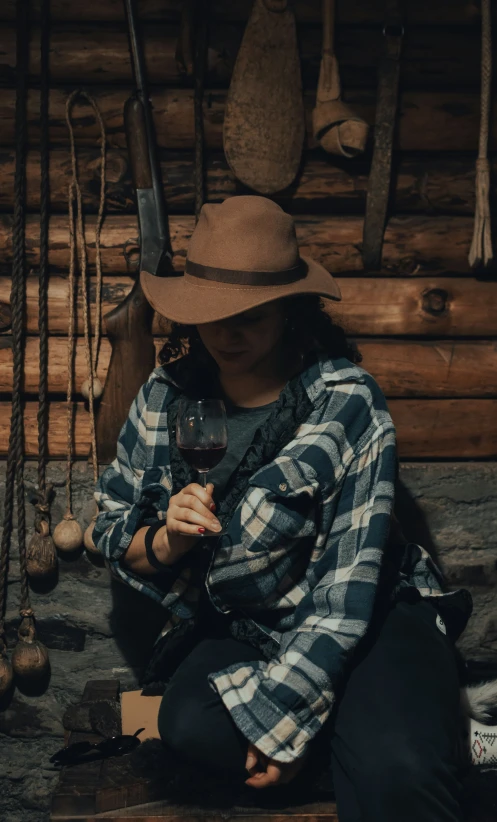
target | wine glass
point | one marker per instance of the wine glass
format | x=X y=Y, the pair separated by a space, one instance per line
x=202 y=434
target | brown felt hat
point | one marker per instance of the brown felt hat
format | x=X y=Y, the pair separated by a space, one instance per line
x=242 y=253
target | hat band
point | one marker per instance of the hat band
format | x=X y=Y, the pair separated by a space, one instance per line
x=236 y=277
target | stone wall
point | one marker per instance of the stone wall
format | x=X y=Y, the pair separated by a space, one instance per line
x=98 y=628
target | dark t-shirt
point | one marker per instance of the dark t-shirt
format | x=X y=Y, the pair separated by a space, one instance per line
x=242 y=425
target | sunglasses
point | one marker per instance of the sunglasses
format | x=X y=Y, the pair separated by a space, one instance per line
x=79 y=752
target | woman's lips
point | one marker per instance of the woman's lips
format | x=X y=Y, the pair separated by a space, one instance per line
x=230 y=355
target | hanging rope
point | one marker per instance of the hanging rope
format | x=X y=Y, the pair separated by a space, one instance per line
x=15 y=457
x=68 y=535
x=481 y=245
x=41 y=555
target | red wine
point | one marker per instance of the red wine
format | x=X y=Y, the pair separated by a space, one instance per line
x=203 y=459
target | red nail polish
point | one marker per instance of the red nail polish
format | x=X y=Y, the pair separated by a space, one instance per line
x=212 y=506
x=201 y=530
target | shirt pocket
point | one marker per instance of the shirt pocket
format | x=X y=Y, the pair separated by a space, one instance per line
x=281 y=505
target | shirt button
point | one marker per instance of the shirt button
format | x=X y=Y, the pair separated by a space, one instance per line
x=283 y=486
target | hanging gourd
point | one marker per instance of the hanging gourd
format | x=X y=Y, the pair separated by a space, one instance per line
x=30 y=656
x=68 y=535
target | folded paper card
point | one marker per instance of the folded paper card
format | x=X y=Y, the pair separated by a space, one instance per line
x=138 y=711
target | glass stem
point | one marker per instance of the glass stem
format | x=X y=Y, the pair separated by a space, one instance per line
x=203 y=478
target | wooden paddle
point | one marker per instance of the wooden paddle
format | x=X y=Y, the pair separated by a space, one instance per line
x=264 y=125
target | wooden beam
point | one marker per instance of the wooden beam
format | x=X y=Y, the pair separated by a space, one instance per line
x=440 y=184
x=371 y=306
x=428 y=121
x=426 y=428
x=402 y=368
x=418 y=12
x=412 y=244
x=428 y=61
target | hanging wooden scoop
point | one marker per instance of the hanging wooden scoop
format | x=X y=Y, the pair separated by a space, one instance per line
x=264 y=124
x=337 y=127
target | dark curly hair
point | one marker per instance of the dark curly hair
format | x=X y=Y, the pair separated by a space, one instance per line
x=309 y=326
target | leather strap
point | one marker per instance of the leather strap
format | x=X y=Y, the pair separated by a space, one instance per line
x=381 y=166
x=235 y=277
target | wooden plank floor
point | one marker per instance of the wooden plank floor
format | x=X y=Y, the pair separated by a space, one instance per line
x=163 y=812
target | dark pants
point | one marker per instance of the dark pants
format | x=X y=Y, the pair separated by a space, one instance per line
x=392 y=737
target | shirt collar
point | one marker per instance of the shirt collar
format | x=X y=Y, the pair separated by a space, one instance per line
x=319 y=373
x=323 y=371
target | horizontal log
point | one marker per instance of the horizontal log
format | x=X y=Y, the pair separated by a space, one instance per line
x=440 y=184
x=412 y=244
x=428 y=60
x=426 y=428
x=428 y=121
x=402 y=368
x=348 y=11
x=370 y=306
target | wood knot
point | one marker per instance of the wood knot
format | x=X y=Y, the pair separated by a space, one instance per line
x=435 y=301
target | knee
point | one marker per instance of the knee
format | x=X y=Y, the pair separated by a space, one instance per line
x=179 y=722
x=397 y=769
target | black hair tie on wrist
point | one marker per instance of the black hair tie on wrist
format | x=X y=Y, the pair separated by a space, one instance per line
x=149 y=538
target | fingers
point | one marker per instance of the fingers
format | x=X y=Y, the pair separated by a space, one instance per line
x=189 y=516
x=191 y=509
x=203 y=494
x=266 y=772
x=256 y=760
x=190 y=501
x=266 y=779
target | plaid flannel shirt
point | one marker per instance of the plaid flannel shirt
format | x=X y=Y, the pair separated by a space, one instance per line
x=303 y=553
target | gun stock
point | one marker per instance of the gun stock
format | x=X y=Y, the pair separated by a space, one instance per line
x=132 y=359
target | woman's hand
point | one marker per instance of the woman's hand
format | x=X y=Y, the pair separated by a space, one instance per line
x=188 y=513
x=265 y=772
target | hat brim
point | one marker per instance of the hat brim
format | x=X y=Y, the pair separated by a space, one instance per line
x=192 y=301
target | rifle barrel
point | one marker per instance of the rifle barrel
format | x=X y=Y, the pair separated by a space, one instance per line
x=138 y=65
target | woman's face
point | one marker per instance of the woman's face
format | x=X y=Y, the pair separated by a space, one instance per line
x=240 y=343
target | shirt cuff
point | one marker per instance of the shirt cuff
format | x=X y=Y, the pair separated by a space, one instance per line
x=117 y=537
x=247 y=691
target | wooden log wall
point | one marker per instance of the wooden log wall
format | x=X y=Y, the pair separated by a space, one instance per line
x=426 y=325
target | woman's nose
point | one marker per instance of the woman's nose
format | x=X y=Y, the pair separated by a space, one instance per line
x=228 y=331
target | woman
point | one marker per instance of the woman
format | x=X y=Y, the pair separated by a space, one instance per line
x=305 y=627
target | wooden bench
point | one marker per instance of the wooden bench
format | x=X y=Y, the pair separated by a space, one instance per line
x=109 y=789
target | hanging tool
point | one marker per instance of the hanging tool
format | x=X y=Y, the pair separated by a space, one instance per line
x=264 y=126
x=381 y=167
x=481 y=251
x=334 y=123
x=128 y=325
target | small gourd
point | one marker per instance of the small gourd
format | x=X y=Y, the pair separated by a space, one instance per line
x=41 y=558
x=68 y=534
x=29 y=657
x=98 y=389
